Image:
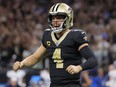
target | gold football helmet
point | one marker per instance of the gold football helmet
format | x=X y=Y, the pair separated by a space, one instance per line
x=61 y=9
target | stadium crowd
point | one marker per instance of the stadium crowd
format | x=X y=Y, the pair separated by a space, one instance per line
x=22 y=23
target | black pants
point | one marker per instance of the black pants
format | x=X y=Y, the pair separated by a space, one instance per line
x=67 y=85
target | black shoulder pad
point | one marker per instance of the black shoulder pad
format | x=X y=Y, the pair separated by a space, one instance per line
x=80 y=36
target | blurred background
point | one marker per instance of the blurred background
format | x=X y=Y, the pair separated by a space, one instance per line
x=22 y=23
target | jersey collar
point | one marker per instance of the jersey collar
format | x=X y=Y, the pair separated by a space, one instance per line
x=57 y=42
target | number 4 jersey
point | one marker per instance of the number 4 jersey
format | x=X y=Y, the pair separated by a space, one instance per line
x=63 y=52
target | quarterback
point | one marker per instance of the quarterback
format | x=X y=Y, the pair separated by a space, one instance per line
x=65 y=48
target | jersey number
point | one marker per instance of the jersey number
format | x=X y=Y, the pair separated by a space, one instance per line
x=57 y=58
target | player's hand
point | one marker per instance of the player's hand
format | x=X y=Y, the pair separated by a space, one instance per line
x=17 y=65
x=72 y=69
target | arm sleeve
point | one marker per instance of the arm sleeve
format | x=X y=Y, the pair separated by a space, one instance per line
x=91 y=61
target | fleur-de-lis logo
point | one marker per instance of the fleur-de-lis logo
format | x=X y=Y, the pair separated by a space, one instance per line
x=85 y=38
x=48 y=43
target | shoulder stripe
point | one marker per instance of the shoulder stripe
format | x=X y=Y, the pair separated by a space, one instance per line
x=83 y=45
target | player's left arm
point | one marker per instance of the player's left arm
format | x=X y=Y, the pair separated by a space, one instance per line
x=87 y=53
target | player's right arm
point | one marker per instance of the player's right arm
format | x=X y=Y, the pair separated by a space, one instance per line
x=32 y=59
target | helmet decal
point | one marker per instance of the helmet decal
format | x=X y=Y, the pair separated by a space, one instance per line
x=55 y=8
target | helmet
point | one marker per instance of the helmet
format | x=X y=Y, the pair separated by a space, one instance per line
x=61 y=9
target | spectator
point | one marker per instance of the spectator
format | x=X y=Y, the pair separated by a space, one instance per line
x=19 y=75
x=13 y=82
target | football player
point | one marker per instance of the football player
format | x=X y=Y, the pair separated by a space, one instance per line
x=64 y=47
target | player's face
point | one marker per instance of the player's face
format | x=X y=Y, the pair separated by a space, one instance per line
x=57 y=21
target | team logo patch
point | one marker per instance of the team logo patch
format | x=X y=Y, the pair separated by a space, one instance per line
x=85 y=38
x=48 y=43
